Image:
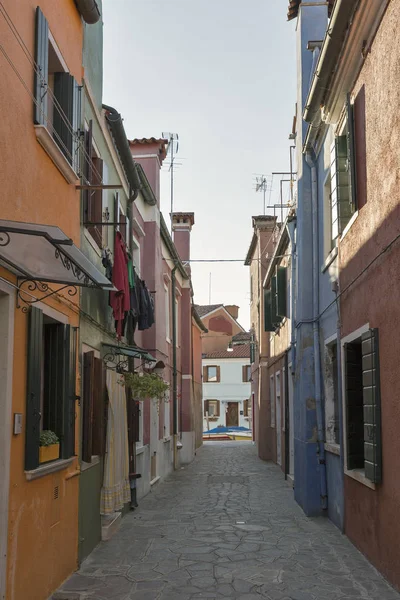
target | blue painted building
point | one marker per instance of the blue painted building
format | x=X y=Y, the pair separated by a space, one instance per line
x=318 y=470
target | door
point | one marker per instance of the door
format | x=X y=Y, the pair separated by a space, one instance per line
x=278 y=417
x=291 y=423
x=232 y=415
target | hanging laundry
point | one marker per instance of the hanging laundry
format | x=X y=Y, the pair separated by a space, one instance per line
x=120 y=300
x=107 y=263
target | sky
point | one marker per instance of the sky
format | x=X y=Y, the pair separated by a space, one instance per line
x=221 y=74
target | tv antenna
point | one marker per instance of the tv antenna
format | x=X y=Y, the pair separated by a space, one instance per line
x=172 y=147
x=262 y=186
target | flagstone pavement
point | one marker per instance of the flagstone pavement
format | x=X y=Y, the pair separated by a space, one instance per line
x=225 y=526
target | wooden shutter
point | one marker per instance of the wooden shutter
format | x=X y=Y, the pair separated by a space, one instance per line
x=87 y=405
x=76 y=126
x=116 y=210
x=281 y=291
x=372 y=406
x=99 y=408
x=360 y=148
x=34 y=386
x=351 y=156
x=87 y=172
x=96 y=201
x=252 y=350
x=53 y=378
x=64 y=92
x=275 y=319
x=218 y=374
x=244 y=373
x=218 y=409
x=268 y=326
x=123 y=226
x=42 y=62
x=354 y=406
x=205 y=374
x=69 y=396
x=205 y=407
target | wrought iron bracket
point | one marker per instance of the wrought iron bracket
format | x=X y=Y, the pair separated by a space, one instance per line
x=31 y=291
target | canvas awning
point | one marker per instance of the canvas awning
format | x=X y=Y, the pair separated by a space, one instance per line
x=44 y=253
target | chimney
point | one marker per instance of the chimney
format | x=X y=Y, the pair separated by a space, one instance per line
x=233 y=310
x=182 y=224
x=150 y=153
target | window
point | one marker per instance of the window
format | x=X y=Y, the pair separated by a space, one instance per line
x=245 y=408
x=167 y=315
x=246 y=373
x=272 y=400
x=362 y=399
x=94 y=415
x=331 y=394
x=211 y=407
x=211 y=374
x=57 y=103
x=51 y=380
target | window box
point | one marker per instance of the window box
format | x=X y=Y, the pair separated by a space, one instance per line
x=48 y=453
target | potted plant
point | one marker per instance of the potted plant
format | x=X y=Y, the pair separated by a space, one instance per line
x=146 y=385
x=49 y=446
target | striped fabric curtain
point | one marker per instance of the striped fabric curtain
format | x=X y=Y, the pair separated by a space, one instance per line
x=116 y=490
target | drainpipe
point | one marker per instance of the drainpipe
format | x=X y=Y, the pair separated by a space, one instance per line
x=174 y=369
x=317 y=353
x=291 y=227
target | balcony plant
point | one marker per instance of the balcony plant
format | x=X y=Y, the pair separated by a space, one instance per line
x=49 y=446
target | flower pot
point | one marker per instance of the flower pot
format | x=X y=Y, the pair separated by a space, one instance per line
x=47 y=453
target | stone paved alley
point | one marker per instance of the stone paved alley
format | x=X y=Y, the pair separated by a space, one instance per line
x=225 y=527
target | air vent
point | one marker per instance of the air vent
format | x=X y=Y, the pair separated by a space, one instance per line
x=55 y=492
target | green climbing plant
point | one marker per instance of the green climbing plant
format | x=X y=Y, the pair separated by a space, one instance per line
x=146 y=385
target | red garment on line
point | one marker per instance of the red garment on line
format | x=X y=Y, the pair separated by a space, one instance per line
x=120 y=301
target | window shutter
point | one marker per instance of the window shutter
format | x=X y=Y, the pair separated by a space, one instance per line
x=54 y=377
x=252 y=350
x=244 y=373
x=351 y=156
x=218 y=374
x=123 y=226
x=116 y=211
x=87 y=172
x=69 y=396
x=34 y=386
x=96 y=201
x=281 y=291
x=354 y=399
x=87 y=408
x=205 y=407
x=372 y=406
x=205 y=374
x=274 y=315
x=340 y=187
x=64 y=91
x=218 y=408
x=100 y=409
x=42 y=62
x=267 y=311
x=76 y=125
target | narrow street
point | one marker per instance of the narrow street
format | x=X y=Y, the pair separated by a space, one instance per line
x=225 y=527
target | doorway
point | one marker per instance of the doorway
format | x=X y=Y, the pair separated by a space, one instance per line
x=232 y=414
x=7 y=300
x=291 y=423
x=278 y=416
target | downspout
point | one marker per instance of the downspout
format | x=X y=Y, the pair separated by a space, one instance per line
x=174 y=369
x=291 y=227
x=317 y=351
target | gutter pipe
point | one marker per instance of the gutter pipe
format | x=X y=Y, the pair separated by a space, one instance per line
x=291 y=227
x=89 y=10
x=317 y=351
x=174 y=369
x=334 y=37
x=114 y=120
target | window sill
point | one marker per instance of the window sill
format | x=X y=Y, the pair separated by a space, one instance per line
x=167 y=439
x=332 y=448
x=86 y=465
x=53 y=467
x=359 y=475
x=51 y=148
x=329 y=259
x=349 y=225
x=92 y=242
x=140 y=450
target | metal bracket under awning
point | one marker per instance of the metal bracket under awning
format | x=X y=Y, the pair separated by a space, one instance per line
x=41 y=255
x=117 y=357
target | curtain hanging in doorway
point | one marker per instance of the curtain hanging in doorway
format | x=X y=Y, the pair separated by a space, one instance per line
x=116 y=491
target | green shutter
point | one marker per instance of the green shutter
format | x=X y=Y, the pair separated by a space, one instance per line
x=87 y=405
x=42 y=69
x=275 y=318
x=34 y=387
x=281 y=290
x=64 y=92
x=340 y=187
x=76 y=126
x=69 y=396
x=268 y=326
x=372 y=406
x=351 y=156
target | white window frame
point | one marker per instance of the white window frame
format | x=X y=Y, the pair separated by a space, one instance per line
x=216 y=374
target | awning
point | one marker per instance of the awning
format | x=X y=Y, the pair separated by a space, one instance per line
x=131 y=351
x=44 y=253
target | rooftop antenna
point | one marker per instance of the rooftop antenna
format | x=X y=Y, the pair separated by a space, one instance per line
x=261 y=186
x=173 y=147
